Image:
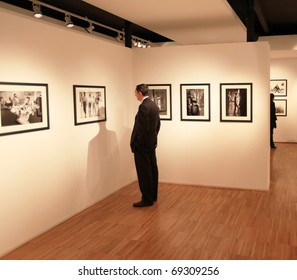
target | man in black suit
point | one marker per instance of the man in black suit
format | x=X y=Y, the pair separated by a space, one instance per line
x=143 y=145
x=273 y=120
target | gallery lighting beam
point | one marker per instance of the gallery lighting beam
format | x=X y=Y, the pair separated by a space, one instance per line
x=136 y=41
x=36 y=10
x=72 y=15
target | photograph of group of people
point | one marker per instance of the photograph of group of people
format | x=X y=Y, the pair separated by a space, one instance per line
x=89 y=104
x=21 y=107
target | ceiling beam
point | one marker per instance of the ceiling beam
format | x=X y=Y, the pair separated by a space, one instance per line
x=250 y=24
x=128 y=34
x=260 y=16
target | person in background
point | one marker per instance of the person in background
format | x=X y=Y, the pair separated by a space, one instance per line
x=143 y=144
x=273 y=119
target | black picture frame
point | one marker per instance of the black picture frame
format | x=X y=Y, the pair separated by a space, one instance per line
x=280 y=107
x=195 y=102
x=236 y=101
x=89 y=104
x=161 y=95
x=278 y=87
x=24 y=107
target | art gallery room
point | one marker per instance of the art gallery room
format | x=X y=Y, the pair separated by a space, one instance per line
x=68 y=178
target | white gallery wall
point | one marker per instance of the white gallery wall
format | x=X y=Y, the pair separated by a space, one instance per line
x=283 y=65
x=48 y=176
x=212 y=153
x=286 y=68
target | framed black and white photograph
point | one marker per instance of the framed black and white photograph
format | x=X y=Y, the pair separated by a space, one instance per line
x=161 y=95
x=195 y=102
x=24 y=107
x=89 y=104
x=278 y=87
x=280 y=107
x=236 y=101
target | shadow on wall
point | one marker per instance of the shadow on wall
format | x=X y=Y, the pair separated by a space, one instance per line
x=103 y=163
x=108 y=163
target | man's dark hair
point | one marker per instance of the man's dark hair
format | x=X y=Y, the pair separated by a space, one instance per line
x=143 y=89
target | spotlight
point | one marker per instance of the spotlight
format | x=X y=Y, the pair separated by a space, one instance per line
x=90 y=28
x=36 y=10
x=134 y=42
x=68 y=21
x=143 y=45
x=139 y=44
x=119 y=37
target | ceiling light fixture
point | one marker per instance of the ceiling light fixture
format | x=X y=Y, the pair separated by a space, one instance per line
x=36 y=10
x=90 y=28
x=120 y=37
x=136 y=41
x=140 y=43
x=68 y=21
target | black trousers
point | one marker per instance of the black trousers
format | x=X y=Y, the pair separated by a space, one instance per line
x=148 y=174
x=271 y=138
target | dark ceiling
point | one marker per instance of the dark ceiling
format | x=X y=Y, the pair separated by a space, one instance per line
x=272 y=17
x=265 y=17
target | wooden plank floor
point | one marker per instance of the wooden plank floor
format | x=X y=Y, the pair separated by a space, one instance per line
x=187 y=222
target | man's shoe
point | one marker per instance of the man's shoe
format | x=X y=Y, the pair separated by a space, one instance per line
x=142 y=204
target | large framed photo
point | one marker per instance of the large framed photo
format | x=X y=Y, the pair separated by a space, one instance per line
x=236 y=102
x=280 y=107
x=24 y=107
x=278 y=87
x=195 y=102
x=161 y=95
x=89 y=104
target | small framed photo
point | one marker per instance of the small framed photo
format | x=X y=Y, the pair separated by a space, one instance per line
x=236 y=102
x=195 y=102
x=161 y=95
x=278 y=87
x=89 y=104
x=280 y=107
x=24 y=107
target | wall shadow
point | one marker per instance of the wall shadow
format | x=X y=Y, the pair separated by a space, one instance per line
x=102 y=163
x=108 y=163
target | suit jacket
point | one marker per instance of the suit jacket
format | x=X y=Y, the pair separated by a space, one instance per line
x=146 y=127
x=273 y=117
